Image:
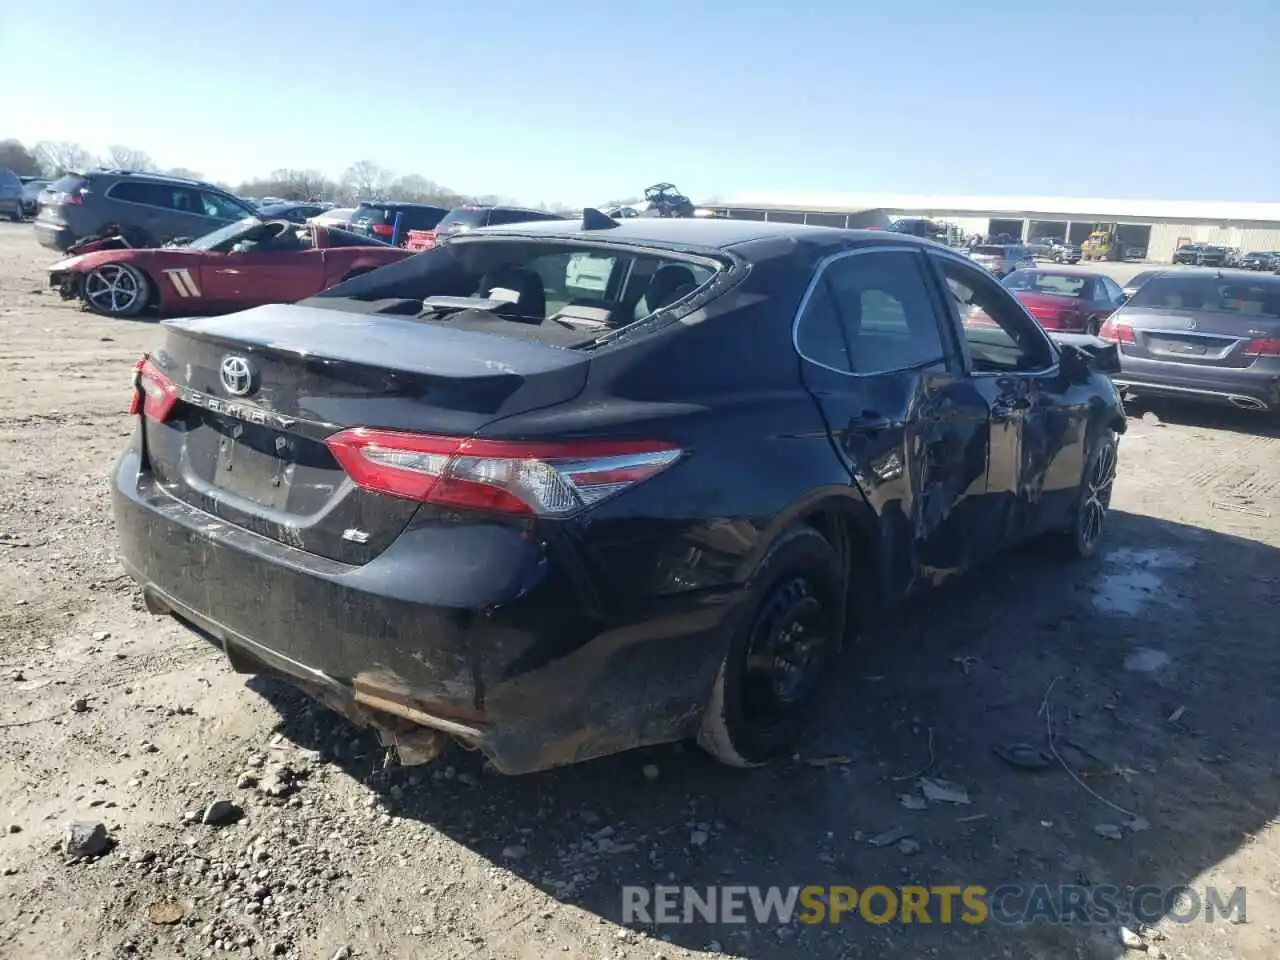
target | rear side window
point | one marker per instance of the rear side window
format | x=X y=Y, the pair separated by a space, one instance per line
x=1258 y=298
x=168 y=197
x=871 y=313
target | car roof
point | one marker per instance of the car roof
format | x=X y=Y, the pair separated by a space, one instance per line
x=701 y=233
x=1210 y=272
x=397 y=204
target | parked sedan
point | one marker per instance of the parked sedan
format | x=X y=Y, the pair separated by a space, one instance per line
x=1201 y=334
x=1002 y=259
x=1258 y=260
x=472 y=499
x=31 y=190
x=1067 y=301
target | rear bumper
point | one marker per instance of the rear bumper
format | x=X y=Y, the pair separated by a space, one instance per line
x=1256 y=387
x=514 y=663
x=54 y=237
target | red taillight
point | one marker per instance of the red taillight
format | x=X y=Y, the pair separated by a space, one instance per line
x=383 y=230
x=1116 y=331
x=534 y=478
x=154 y=394
x=62 y=196
x=1263 y=347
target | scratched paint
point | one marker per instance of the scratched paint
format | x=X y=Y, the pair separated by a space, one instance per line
x=1132 y=580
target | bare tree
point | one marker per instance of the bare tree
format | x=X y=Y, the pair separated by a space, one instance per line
x=365 y=180
x=290 y=185
x=185 y=172
x=14 y=156
x=57 y=157
x=127 y=158
x=415 y=188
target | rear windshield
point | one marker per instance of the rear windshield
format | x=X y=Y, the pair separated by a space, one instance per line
x=68 y=184
x=464 y=217
x=1059 y=284
x=561 y=292
x=371 y=213
x=1248 y=297
x=1257 y=253
x=991 y=251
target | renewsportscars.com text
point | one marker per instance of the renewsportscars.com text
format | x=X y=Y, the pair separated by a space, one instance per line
x=944 y=903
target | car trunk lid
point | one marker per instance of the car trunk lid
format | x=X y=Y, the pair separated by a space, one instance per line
x=1205 y=338
x=257 y=393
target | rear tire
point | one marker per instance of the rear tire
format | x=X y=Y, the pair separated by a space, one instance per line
x=781 y=655
x=1088 y=520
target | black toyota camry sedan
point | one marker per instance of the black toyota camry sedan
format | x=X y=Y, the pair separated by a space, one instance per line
x=566 y=488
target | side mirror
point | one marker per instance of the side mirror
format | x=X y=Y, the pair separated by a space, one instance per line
x=1076 y=364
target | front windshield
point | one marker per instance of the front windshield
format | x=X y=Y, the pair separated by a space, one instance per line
x=224 y=234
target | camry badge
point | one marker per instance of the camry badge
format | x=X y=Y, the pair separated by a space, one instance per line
x=236 y=376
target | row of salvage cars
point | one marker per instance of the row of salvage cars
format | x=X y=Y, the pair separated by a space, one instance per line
x=559 y=489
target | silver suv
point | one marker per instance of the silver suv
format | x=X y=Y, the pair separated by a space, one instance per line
x=147 y=209
x=10 y=194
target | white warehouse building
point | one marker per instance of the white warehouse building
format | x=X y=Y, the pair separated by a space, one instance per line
x=1156 y=226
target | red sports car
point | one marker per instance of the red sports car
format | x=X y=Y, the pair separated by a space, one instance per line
x=1073 y=301
x=241 y=265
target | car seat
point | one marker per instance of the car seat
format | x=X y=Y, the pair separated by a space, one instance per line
x=531 y=303
x=667 y=285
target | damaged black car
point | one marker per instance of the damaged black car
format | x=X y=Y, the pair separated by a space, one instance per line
x=561 y=489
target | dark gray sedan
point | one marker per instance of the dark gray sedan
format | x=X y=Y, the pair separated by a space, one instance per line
x=1201 y=334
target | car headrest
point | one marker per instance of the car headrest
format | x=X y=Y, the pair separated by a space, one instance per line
x=668 y=284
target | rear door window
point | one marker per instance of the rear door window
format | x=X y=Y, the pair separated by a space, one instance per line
x=872 y=313
x=150 y=194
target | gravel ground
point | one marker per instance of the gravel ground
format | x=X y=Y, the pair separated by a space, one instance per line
x=242 y=821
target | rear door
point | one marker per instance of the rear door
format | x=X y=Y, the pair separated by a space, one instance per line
x=911 y=428
x=1037 y=420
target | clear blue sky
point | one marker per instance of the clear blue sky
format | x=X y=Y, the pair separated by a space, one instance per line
x=566 y=100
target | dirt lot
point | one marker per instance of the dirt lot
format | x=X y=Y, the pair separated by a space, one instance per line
x=1160 y=656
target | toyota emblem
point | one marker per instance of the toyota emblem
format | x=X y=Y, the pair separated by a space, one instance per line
x=237 y=376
